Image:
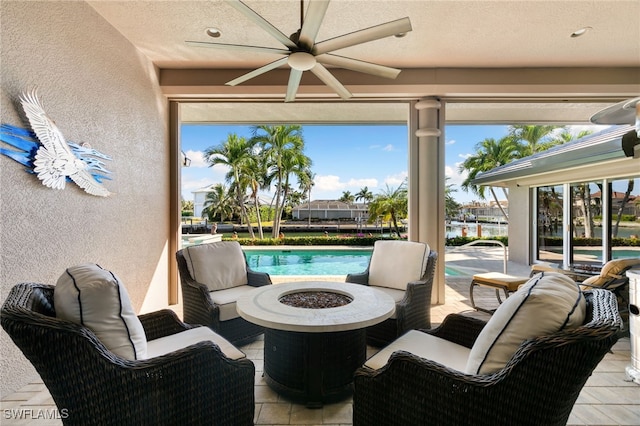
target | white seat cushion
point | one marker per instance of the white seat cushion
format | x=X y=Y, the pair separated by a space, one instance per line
x=426 y=346
x=396 y=295
x=394 y=264
x=226 y=299
x=544 y=305
x=217 y=265
x=94 y=297
x=174 y=342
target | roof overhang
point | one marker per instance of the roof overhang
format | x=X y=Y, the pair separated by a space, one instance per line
x=594 y=157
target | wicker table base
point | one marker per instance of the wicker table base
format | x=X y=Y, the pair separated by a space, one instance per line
x=313 y=368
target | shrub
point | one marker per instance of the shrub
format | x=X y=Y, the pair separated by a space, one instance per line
x=346 y=240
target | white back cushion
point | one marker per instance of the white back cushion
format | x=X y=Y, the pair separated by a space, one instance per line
x=217 y=265
x=612 y=267
x=396 y=263
x=94 y=297
x=546 y=304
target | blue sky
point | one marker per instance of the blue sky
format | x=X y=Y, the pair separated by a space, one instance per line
x=345 y=157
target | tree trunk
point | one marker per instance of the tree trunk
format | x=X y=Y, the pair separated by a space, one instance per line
x=495 y=197
x=257 y=204
x=625 y=200
x=588 y=214
x=309 y=210
x=395 y=224
x=275 y=231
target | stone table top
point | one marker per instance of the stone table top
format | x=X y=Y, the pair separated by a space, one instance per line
x=262 y=306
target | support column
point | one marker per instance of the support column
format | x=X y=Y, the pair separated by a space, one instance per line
x=427 y=183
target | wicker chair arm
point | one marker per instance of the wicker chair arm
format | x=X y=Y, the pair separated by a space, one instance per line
x=411 y=312
x=161 y=323
x=258 y=279
x=360 y=278
x=459 y=329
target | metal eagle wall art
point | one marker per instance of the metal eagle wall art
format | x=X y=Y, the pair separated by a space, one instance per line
x=53 y=160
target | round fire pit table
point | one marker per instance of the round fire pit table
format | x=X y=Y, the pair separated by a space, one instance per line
x=311 y=353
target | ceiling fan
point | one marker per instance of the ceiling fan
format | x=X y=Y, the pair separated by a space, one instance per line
x=303 y=53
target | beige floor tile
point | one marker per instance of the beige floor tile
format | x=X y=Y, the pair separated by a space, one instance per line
x=266 y=394
x=590 y=415
x=274 y=414
x=301 y=415
x=337 y=413
x=622 y=414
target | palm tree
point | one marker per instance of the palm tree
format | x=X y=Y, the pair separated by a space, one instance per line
x=218 y=203
x=533 y=138
x=489 y=155
x=364 y=194
x=451 y=206
x=391 y=204
x=625 y=200
x=234 y=153
x=306 y=183
x=347 y=197
x=284 y=150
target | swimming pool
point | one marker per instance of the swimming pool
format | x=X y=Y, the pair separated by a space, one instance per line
x=312 y=261
x=308 y=261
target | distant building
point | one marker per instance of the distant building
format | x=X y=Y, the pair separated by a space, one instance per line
x=199 y=197
x=331 y=209
x=484 y=211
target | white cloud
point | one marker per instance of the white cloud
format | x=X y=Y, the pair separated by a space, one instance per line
x=395 y=180
x=330 y=183
x=455 y=177
x=327 y=183
x=361 y=183
x=450 y=142
x=388 y=148
x=465 y=156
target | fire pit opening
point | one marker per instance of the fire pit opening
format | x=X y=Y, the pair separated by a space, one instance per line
x=315 y=299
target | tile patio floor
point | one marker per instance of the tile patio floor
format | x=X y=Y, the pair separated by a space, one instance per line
x=607 y=399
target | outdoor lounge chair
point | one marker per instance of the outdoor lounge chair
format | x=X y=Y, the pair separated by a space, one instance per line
x=613 y=277
x=213 y=276
x=193 y=383
x=405 y=271
x=537 y=385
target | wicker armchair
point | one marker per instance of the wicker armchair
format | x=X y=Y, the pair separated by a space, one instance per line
x=199 y=308
x=538 y=386
x=91 y=385
x=413 y=305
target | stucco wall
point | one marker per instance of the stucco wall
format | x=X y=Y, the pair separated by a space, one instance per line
x=99 y=89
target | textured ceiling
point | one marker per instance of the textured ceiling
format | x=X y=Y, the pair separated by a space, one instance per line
x=447 y=34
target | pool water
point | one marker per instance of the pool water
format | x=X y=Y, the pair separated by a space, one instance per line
x=308 y=262
x=312 y=262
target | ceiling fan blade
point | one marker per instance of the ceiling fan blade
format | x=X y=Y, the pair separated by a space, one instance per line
x=327 y=78
x=357 y=65
x=312 y=21
x=257 y=72
x=292 y=86
x=261 y=22
x=398 y=26
x=254 y=49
